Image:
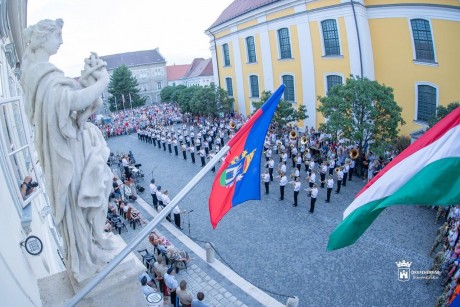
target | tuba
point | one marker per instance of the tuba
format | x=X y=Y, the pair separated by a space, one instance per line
x=337 y=169
x=303 y=140
x=293 y=135
x=354 y=153
x=232 y=125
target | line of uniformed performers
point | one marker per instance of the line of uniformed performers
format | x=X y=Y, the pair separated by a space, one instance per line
x=200 y=140
x=327 y=165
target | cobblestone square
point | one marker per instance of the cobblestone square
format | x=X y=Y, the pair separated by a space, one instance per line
x=282 y=250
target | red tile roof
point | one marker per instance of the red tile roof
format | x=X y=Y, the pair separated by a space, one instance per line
x=176 y=72
x=238 y=8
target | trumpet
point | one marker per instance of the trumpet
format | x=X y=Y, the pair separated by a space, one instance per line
x=293 y=135
x=303 y=140
x=354 y=153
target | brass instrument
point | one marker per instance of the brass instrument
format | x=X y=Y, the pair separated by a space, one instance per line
x=337 y=169
x=279 y=143
x=303 y=140
x=307 y=150
x=293 y=135
x=292 y=146
x=232 y=125
x=354 y=153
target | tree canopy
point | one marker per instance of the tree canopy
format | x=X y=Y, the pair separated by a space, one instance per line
x=442 y=112
x=285 y=112
x=362 y=111
x=199 y=100
x=123 y=86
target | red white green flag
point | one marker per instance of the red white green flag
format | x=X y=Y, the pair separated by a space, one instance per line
x=426 y=173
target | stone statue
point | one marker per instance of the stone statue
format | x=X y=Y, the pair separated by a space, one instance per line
x=72 y=151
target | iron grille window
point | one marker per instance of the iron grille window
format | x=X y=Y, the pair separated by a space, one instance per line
x=228 y=82
x=330 y=37
x=423 y=41
x=226 y=55
x=251 y=49
x=426 y=106
x=254 y=80
x=289 y=94
x=285 y=44
x=333 y=80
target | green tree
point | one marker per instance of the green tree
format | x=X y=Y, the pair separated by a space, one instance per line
x=442 y=112
x=285 y=112
x=362 y=111
x=199 y=100
x=124 y=85
x=170 y=93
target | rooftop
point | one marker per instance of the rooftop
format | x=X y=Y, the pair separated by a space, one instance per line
x=135 y=58
x=176 y=72
x=238 y=8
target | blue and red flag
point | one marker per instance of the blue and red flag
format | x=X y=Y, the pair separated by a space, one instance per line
x=238 y=178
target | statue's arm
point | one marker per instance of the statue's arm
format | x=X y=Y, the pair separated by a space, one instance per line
x=85 y=97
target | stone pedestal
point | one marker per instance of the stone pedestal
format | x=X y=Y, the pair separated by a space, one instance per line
x=120 y=288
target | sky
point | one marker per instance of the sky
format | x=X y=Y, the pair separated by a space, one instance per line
x=108 y=27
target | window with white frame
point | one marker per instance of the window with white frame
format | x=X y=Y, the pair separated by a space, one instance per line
x=284 y=43
x=254 y=83
x=333 y=80
x=330 y=37
x=18 y=159
x=289 y=94
x=251 y=49
x=423 y=40
x=226 y=53
x=426 y=102
x=228 y=83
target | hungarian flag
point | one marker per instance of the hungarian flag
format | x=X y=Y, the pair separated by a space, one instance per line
x=425 y=173
x=238 y=178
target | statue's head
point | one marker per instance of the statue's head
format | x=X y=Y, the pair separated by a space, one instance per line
x=37 y=35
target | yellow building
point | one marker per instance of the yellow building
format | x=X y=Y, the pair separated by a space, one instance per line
x=310 y=46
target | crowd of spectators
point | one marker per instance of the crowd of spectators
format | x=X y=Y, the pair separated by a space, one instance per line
x=446 y=250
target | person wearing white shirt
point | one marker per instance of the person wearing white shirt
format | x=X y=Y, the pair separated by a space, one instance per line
x=311 y=179
x=331 y=166
x=283 y=168
x=346 y=169
x=313 y=196
x=153 y=192
x=323 y=174
x=271 y=166
x=352 y=169
x=297 y=186
x=266 y=180
x=330 y=186
x=311 y=166
x=160 y=198
x=283 y=182
x=192 y=152
x=339 y=180
x=299 y=162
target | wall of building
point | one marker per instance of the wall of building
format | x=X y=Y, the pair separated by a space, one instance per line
x=384 y=35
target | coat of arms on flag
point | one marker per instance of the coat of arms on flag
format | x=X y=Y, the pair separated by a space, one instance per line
x=236 y=169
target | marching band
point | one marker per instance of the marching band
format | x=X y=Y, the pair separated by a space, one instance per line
x=309 y=148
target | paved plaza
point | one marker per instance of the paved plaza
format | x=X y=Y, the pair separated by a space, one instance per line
x=282 y=250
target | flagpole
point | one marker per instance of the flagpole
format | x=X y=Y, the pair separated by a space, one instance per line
x=130 y=101
x=147 y=229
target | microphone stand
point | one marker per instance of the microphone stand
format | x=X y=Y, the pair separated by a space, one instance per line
x=188 y=221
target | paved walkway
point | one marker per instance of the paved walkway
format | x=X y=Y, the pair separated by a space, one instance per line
x=217 y=290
